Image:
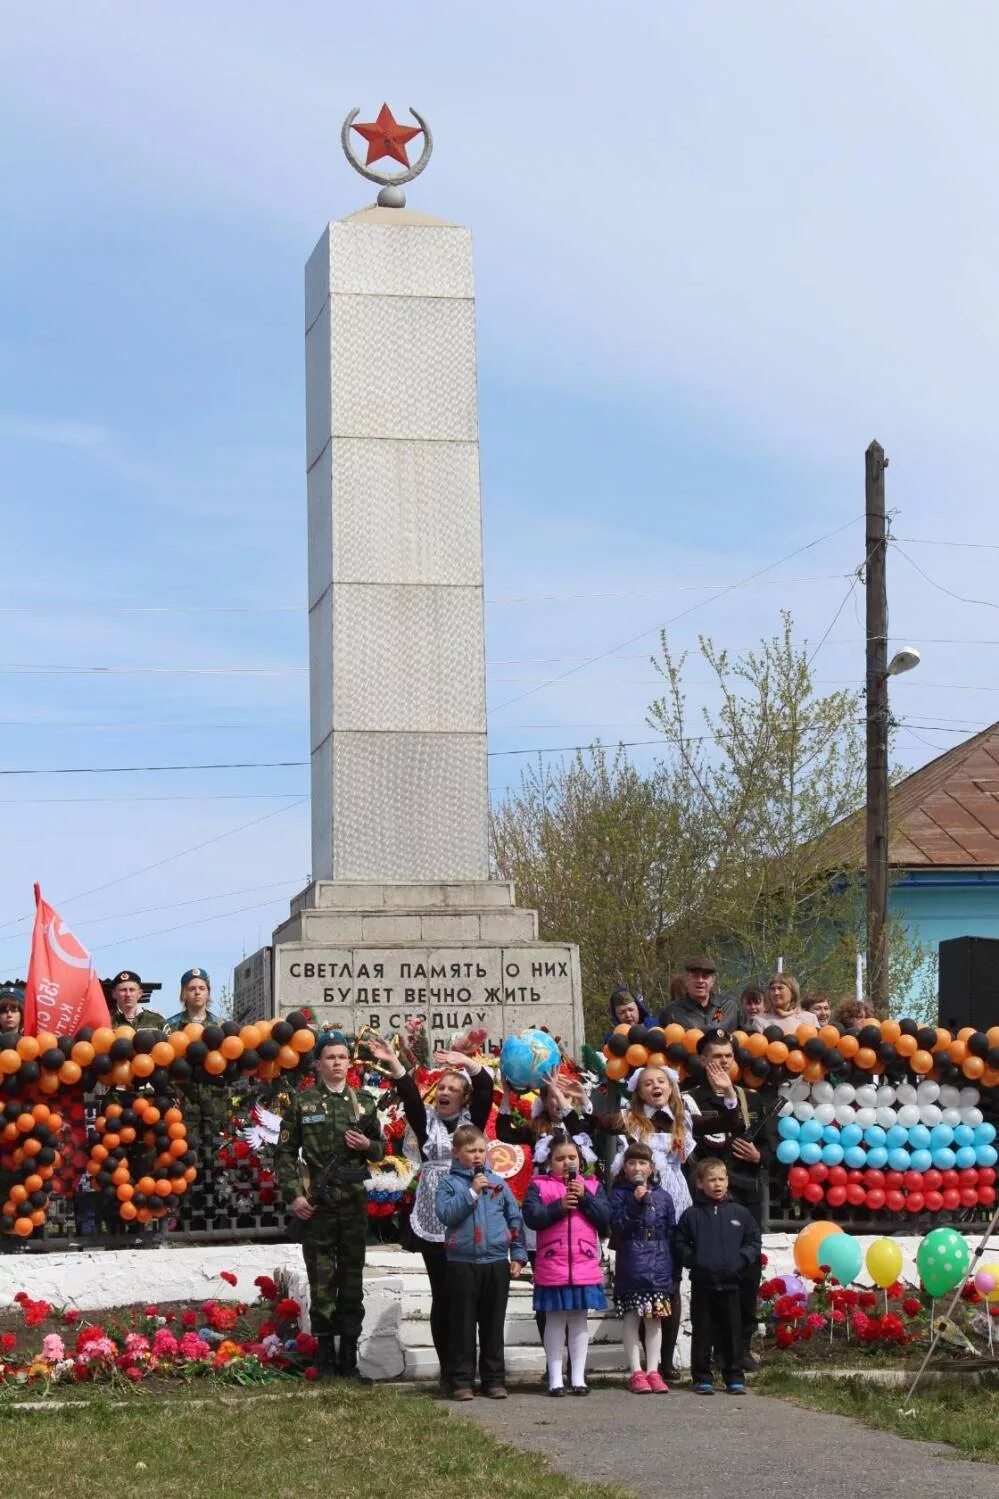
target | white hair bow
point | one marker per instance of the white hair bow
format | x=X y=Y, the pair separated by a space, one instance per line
x=637 y=1076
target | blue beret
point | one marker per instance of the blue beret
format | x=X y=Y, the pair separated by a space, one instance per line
x=331 y=1038
x=194 y=973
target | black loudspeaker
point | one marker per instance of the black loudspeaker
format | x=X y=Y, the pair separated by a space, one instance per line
x=969 y=983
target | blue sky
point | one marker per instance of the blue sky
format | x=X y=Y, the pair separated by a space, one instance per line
x=718 y=250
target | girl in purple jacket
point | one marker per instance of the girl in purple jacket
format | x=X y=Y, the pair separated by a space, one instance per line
x=643 y=1220
x=569 y=1212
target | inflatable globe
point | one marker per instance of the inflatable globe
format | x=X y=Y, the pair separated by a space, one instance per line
x=526 y=1060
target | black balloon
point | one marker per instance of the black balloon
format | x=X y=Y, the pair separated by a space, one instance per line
x=617 y=1044
x=978 y=1044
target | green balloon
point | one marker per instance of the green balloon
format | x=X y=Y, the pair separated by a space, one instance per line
x=842 y=1256
x=942 y=1260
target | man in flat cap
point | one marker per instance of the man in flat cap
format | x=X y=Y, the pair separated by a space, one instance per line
x=126 y=1003
x=699 y=1008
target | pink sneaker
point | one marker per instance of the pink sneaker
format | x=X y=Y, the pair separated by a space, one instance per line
x=638 y=1383
x=656 y=1383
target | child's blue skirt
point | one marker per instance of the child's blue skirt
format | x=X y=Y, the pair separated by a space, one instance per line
x=569 y=1299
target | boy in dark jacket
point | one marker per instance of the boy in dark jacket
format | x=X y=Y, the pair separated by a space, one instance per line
x=716 y=1239
x=484 y=1245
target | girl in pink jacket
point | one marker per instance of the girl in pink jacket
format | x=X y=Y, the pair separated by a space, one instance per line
x=569 y=1212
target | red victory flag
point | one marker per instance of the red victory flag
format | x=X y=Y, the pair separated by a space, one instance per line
x=63 y=992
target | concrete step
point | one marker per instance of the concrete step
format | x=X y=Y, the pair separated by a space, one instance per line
x=521 y=1363
x=519 y=1332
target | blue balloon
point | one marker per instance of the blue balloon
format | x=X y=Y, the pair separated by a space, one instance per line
x=877 y=1158
x=919 y=1138
x=984 y=1134
x=852 y=1134
x=811 y=1153
x=899 y=1160
x=810 y=1131
x=788 y=1152
x=967 y=1155
x=526 y=1060
x=944 y=1159
x=830 y=1134
x=920 y=1160
x=986 y=1155
x=964 y=1135
x=940 y=1135
x=832 y=1154
x=897 y=1137
x=874 y=1135
x=856 y=1158
x=788 y=1127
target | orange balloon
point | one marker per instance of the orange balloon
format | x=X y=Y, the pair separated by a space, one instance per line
x=302 y=1041
x=70 y=1072
x=972 y=1067
x=146 y=1185
x=163 y=1054
x=23 y=1227
x=992 y=1035
x=126 y=1134
x=757 y=1044
x=944 y=1039
x=829 y=1035
x=906 y=1046
x=922 y=1061
x=193 y=1031
x=18 y=1193
x=623 y=1028
x=251 y=1036
x=163 y=1187
x=814 y=1072
x=848 y=1046
x=178 y=1042
x=128 y=1210
x=796 y=1061
x=956 y=1051
x=288 y=1057
x=33 y=1183
x=966 y=1032
x=143 y=1065
x=103 y=1039
x=214 y=1063
x=83 y=1053
x=47 y=1083
x=616 y=1069
x=867 y=1058
x=232 y=1047
x=46 y=1040
x=173 y=1116
x=807 y=1246
x=10 y=1061
x=658 y=1059
x=690 y=1040
x=674 y=1033
x=28 y=1048
x=806 y=1033
x=178 y=1148
x=121 y=1074
x=777 y=1053
x=890 y=1030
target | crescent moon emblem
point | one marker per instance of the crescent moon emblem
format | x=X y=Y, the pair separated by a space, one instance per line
x=52 y=937
x=382 y=178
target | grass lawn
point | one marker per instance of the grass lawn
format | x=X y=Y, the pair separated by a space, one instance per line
x=336 y=1441
x=963 y=1414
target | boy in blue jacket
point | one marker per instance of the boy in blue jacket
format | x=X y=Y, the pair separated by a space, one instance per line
x=716 y=1239
x=484 y=1245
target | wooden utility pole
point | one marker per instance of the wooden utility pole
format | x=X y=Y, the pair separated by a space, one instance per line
x=877 y=729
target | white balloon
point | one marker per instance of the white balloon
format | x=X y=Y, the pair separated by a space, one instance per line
x=865 y=1118
x=886 y=1096
x=968 y=1098
x=800 y=1092
x=825 y=1113
x=845 y=1113
x=930 y=1114
x=867 y=1096
x=786 y=1110
x=905 y=1093
x=908 y=1115
x=844 y=1093
x=927 y=1093
x=972 y=1116
x=951 y=1117
x=803 y=1109
x=822 y=1092
x=885 y=1117
x=950 y=1096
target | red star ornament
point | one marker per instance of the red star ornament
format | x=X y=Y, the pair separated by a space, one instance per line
x=386 y=137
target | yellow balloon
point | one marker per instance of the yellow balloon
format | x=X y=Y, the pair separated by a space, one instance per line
x=884 y=1262
x=993 y=1270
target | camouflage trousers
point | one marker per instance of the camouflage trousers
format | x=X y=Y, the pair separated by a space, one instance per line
x=333 y=1245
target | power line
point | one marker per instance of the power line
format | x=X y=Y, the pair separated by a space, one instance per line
x=961 y=597
x=158 y=863
x=81 y=801
x=977 y=546
x=683 y=614
x=184 y=925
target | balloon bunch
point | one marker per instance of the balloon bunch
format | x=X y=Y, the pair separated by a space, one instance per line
x=631 y=1046
x=888 y=1148
x=127 y=1131
x=29 y=1151
x=123 y=1057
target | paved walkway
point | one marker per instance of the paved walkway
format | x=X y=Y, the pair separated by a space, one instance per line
x=705 y=1448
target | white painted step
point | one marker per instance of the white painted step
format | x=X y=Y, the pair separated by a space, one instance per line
x=521 y=1363
x=520 y=1330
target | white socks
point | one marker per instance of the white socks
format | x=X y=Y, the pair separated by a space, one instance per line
x=632 y=1346
x=556 y=1325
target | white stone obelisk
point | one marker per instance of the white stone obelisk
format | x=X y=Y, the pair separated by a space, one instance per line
x=396 y=633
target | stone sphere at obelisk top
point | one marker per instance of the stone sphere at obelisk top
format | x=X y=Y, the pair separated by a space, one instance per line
x=401 y=919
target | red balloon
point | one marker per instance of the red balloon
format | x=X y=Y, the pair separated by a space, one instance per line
x=968 y=1177
x=894 y=1200
x=853 y=1175
x=932 y=1180
x=986 y=1176
x=894 y=1180
x=836 y=1196
x=951 y=1198
x=969 y=1197
x=986 y=1196
x=813 y=1192
x=951 y=1179
x=798 y=1176
x=874 y=1178
x=818 y=1172
x=914 y=1203
x=914 y=1181
x=837 y=1176
x=855 y=1195
x=934 y=1202
x=876 y=1198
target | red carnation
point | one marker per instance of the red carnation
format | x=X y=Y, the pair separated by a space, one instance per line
x=265 y=1285
x=288 y=1309
x=228 y=1277
x=189 y=1318
x=785 y=1337
x=306 y=1344
x=867 y=1300
x=896 y=1291
x=311 y=1372
x=8 y=1340
x=912 y=1306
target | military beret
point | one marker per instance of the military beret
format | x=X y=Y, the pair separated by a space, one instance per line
x=331 y=1038
x=12 y=991
x=714 y=1037
x=193 y=973
x=126 y=976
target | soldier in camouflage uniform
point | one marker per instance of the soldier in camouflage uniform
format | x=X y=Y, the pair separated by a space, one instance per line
x=338 y=1137
x=206 y=1103
x=126 y=1003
